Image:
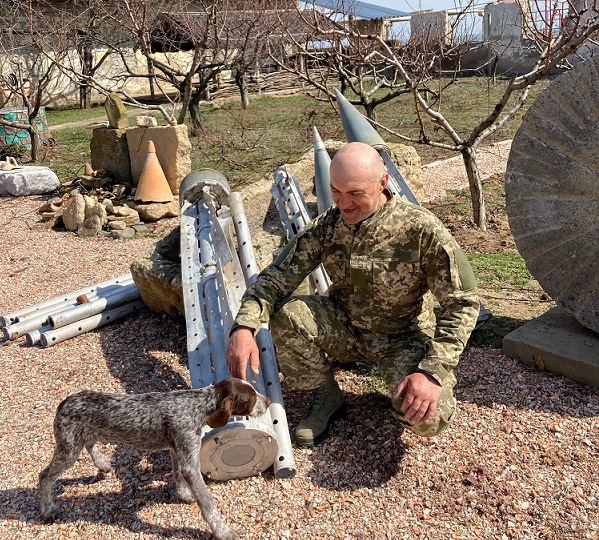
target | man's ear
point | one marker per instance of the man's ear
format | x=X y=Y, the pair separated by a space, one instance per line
x=220 y=417
x=384 y=180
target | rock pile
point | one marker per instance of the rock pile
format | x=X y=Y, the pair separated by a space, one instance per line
x=87 y=216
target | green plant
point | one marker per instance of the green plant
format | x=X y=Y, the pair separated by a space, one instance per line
x=14 y=150
x=71 y=153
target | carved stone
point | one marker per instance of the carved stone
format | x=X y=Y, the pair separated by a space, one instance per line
x=552 y=189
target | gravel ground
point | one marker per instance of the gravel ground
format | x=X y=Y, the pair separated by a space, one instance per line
x=519 y=462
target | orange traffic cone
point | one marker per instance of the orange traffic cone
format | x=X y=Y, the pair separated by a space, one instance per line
x=153 y=185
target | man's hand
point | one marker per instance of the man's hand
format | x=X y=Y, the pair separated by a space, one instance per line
x=420 y=393
x=241 y=348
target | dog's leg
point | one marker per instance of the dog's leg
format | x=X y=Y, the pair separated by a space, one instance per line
x=188 y=452
x=183 y=492
x=99 y=459
x=65 y=456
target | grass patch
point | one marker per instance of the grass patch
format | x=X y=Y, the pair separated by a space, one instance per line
x=244 y=145
x=65 y=116
x=498 y=271
x=68 y=158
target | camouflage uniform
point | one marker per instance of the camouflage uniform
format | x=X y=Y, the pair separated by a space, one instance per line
x=379 y=307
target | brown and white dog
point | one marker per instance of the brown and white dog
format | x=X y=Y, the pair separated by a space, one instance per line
x=153 y=421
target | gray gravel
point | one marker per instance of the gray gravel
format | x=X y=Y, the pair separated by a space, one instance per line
x=520 y=461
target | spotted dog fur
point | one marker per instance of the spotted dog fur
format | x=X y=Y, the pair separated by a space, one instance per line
x=153 y=421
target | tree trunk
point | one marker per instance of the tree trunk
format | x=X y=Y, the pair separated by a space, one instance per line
x=194 y=112
x=369 y=109
x=343 y=84
x=476 y=190
x=242 y=84
x=35 y=141
x=85 y=91
x=151 y=78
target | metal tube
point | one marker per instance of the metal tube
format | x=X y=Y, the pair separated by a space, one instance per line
x=52 y=337
x=244 y=241
x=287 y=185
x=80 y=299
x=284 y=466
x=126 y=294
x=33 y=338
x=9 y=318
x=216 y=303
x=322 y=176
x=355 y=125
x=279 y=197
x=209 y=293
x=211 y=274
x=198 y=348
x=18 y=329
x=358 y=129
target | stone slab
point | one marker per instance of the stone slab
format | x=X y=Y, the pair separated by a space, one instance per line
x=557 y=342
x=28 y=180
x=110 y=151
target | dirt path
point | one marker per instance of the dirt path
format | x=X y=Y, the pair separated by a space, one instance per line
x=94 y=122
x=440 y=176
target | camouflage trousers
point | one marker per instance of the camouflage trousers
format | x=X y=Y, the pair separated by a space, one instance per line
x=310 y=331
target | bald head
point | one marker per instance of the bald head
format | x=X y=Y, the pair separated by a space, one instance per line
x=358 y=178
x=357 y=159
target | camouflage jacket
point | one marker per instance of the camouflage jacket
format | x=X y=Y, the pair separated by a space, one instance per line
x=381 y=270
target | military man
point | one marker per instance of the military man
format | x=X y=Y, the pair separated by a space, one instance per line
x=386 y=258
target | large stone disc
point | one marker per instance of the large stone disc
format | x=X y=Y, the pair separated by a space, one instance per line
x=552 y=191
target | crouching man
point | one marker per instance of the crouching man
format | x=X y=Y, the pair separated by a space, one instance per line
x=386 y=258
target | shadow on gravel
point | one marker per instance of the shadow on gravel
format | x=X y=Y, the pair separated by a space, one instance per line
x=364 y=447
x=121 y=508
x=132 y=348
x=145 y=479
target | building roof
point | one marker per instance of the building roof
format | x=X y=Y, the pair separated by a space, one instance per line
x=362 y=10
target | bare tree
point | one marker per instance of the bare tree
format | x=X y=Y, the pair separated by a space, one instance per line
x=187 y=45
x=86 y=25
x=25 y=71
x=417 y=63
x=249 y=29
x=334 y=47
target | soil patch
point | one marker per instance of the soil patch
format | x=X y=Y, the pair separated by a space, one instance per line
x=455 y=211
x=515 y=297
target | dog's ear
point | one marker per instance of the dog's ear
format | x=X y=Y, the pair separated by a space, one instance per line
x=220 y=417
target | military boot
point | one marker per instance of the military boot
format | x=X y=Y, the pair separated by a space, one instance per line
x=328 y=404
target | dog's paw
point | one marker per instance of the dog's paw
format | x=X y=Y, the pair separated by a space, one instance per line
x=184 y=494
x=105 y=470
x=50 y=513
x=228 y=534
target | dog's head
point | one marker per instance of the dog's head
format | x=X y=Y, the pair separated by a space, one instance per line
x=236 y=398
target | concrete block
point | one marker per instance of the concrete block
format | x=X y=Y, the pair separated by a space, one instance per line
x=557 y=342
